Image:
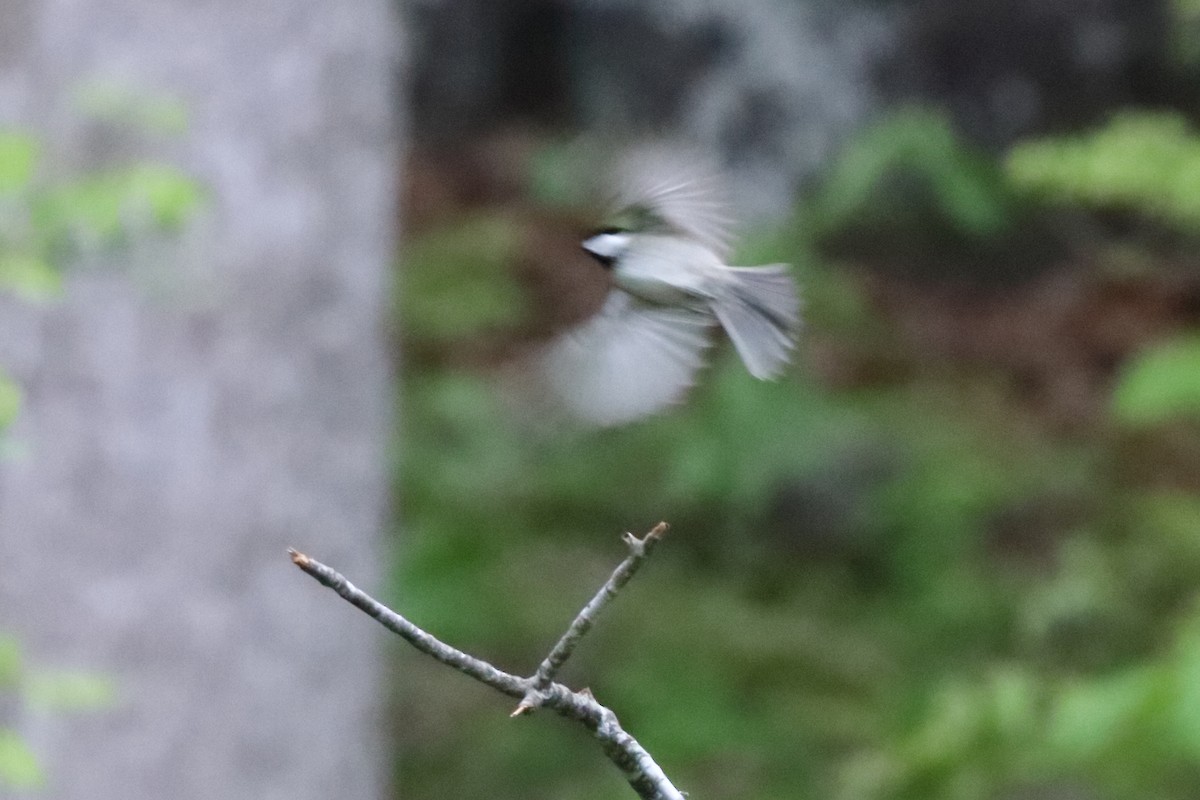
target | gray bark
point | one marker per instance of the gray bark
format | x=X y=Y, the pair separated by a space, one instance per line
x=196 y=404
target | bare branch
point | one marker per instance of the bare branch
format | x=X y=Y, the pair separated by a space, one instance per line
x=428 y=644
x=639 y=768
x=638 y=550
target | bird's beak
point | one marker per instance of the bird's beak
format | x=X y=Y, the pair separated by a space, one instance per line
x=605 y=247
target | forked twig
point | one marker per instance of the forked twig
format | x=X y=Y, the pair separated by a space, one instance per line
x=639 y=549
x=540 y=690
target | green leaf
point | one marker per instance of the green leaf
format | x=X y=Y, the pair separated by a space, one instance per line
x=965 y=188
x=1141 y=162
x=70 y=690
x=169 y=194
x=122 y=105
x=18 y=158
x=1160 y=384
x=10 y=404
x=88 y=209
x=10 y=662
x=18 y=767
x=951 y=728
x=1185 y=711
x=100 y=209
x=29 y=277
x=1014 y=704
x=1091 y=718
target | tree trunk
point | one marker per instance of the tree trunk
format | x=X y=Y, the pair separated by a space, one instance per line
x=195 y=404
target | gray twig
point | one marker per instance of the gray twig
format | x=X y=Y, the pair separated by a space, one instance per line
x=428 y=644
x=638 y=550
x=540 y=690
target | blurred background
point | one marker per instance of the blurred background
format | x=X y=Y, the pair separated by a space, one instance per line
x=954 y=555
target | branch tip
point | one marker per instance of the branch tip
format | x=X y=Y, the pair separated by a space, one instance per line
x=298 y=558
x=638 y=546
x=529 y=702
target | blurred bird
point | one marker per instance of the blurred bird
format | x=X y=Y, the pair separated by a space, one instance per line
x=671 y=289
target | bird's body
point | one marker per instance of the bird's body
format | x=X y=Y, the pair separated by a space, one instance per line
x=658 y=268
x=671 y=288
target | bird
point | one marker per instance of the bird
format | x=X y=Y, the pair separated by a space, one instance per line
x=671 y=289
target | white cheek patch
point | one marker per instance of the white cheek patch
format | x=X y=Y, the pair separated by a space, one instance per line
x=608 y=246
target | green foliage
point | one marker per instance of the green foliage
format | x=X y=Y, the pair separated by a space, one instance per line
x=911 y=165
x=70 y=691
x=18 y=156
x=909 y=590
x=10 y=401
x=1184 y=32
x=18 y=767
x=42 y=225
x=45 y=224
x=119 y=105
x=29 y=276
x=23 y=269
x=10 y=662
x=505 y=536
x=59 y=691
x=103 y=209
x=1161 y=384
x=1142 y=162
x=1129 y=730
x=455 y=281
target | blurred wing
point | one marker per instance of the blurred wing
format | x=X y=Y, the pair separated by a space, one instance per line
x=674 y=191
x=629 y=361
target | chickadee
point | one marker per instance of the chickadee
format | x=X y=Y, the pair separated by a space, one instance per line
x=671 y=289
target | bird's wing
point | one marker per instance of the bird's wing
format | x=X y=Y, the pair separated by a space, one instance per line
x=629 y=361
x=673 y=190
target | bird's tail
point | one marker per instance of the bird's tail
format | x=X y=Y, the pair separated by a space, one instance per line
x=760 y=310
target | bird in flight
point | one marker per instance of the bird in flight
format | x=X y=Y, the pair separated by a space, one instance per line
x=671 y=290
